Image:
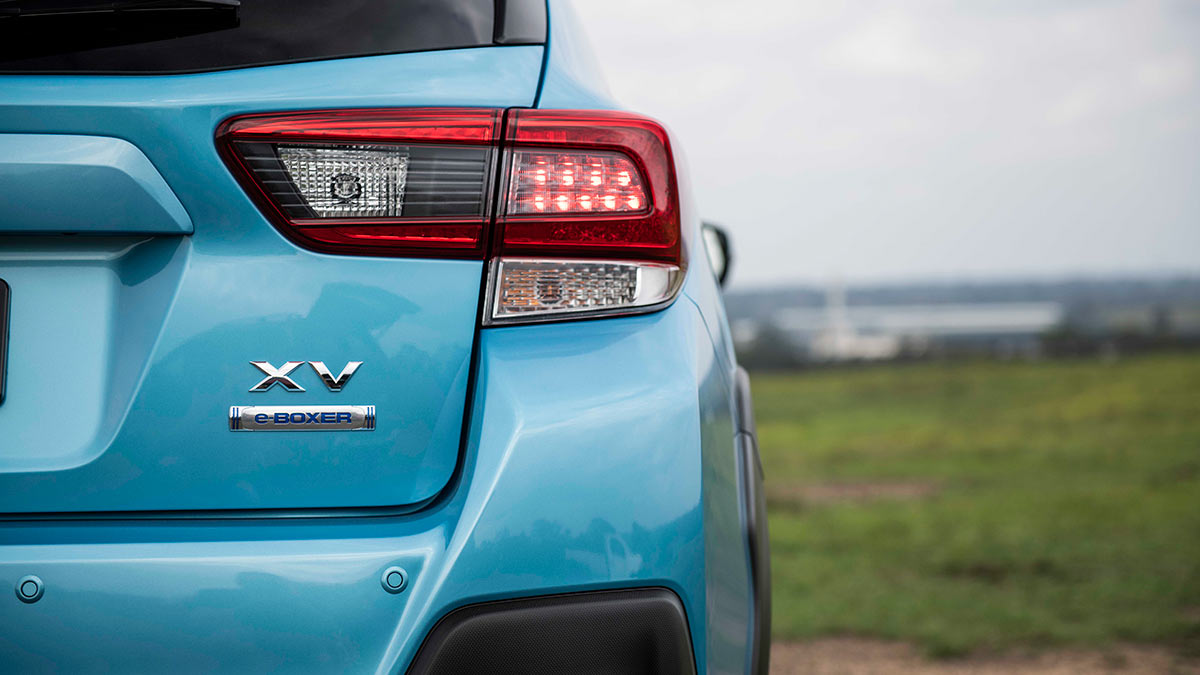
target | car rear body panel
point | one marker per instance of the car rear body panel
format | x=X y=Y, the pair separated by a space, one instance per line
x=114 y=187
x=595 y=454
x=536 y=509
x=126 y=354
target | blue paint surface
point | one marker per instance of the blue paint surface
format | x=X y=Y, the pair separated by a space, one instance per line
x=597 y=454
x=563 y=488
x=125 y=354
x=90 y=184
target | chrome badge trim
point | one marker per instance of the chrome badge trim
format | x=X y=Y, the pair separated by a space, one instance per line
x=335 y=384
x=276 y=375
x=302 y=418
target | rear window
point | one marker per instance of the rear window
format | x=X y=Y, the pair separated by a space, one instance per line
x=57 y=36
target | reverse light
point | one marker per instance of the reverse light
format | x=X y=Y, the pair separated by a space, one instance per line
x=586 y=214
x=348 y=181
x=532 y=289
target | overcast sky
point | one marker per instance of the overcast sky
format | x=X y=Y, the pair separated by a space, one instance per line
x=862 y=140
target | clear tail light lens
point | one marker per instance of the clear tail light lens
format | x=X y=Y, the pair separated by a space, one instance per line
x=587 y=220
x=531 y=290
x=348 y=181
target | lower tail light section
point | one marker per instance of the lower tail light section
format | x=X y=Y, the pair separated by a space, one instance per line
x=586 y=222
x=529 y=289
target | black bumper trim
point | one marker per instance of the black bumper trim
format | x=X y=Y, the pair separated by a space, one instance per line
x=757 y=539
x=638 y=632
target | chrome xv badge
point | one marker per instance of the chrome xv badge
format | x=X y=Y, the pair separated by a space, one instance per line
x=279 y=375
x=302 y=417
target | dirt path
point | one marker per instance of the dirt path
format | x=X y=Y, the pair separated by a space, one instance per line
x=853 y=656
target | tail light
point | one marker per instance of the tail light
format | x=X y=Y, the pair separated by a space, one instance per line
x=584 y=221
x=395 y=182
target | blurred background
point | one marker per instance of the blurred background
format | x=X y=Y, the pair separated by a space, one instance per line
x=966 y=280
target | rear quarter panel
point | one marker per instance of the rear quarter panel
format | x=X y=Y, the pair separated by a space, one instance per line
x=573 y=78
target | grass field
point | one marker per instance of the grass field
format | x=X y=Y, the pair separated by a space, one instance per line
x=987 y=506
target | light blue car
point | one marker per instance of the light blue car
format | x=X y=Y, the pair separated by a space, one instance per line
x=359 y=336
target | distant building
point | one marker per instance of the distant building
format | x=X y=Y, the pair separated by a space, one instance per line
x=785 y=327
x=840 y=340
x=841 y=332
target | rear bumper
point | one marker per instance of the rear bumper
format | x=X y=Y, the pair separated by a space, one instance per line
x=583 y=470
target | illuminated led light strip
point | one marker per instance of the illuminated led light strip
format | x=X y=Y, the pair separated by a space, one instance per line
x=575 y=182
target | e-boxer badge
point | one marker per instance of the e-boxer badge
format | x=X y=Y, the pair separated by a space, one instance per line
x=302 y=418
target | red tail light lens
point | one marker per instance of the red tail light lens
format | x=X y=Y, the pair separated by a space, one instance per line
x=588 y=214
x=371 y=182
x=575 y=183
x=610 y=188
x=428 y=125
